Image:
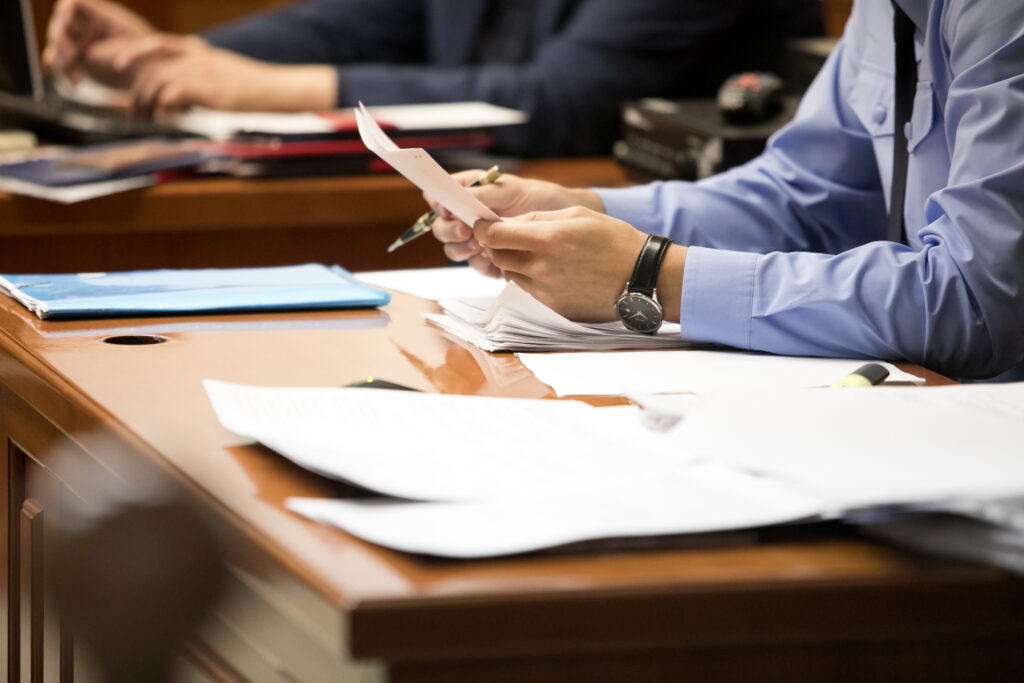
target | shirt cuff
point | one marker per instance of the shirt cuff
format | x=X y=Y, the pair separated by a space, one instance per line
x=637 y=206
x=718 y=296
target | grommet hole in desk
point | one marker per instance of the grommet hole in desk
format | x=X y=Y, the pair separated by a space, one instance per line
x=135 y=339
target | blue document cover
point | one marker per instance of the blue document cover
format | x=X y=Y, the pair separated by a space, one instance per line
x=169 y=292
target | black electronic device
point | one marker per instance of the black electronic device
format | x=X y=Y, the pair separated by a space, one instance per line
x=688 y=140
x=750 y=97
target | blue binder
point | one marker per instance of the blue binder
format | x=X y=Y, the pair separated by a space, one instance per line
x=170 y=292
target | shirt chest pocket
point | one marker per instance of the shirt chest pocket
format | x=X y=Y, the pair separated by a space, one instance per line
x=872 y=101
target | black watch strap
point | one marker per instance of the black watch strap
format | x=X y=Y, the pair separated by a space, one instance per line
x=648 y=263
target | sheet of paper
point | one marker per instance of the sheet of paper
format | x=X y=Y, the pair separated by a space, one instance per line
x=448 y=447
x=447 y=115
x=690 y=370
x=436 y=283
x=515 y=321
x=223 y=125
x=422 y=171
x=73 y=194
x=707 y=498
x=877 y=445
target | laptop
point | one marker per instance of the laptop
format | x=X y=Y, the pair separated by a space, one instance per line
x=29 y=100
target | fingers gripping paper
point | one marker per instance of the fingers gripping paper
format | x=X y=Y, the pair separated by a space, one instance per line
x=422 y=171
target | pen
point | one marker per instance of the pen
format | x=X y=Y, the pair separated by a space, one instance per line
x=864 y=376
x=426 y=221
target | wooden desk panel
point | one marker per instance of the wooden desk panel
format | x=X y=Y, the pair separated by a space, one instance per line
x=221 y=222
x=321 y=602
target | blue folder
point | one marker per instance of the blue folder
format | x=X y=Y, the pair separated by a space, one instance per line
x=169 y=292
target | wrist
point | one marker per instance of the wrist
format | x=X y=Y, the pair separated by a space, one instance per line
x=586 y=198
x=307 y=87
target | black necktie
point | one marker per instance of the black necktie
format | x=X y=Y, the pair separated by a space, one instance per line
x=906 y=78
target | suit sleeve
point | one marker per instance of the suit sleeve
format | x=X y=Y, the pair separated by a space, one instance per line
x=329 y=32
x=607 y=51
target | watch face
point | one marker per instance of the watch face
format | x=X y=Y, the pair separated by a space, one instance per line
x=639 y=312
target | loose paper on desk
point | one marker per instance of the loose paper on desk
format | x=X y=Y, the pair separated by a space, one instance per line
x=692 y=370
x=420 y=168
x=703 y=498
x=860 y=447
x=449 y=447
x=734 y=461
x=516 y=321
x=577 y=473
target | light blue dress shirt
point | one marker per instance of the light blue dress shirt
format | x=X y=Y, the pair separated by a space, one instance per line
x=788 y=252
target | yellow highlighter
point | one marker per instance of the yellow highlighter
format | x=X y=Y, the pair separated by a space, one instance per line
x=864 y=376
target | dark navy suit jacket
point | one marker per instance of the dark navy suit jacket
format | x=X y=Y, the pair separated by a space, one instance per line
x=591 y=55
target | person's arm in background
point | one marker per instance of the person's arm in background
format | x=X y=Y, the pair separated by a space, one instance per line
x=333 y=32
x=276 y=60
x=608 y=51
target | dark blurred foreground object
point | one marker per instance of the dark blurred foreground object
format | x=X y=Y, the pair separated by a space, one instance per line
x=136 y=569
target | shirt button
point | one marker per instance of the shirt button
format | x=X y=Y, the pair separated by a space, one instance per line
x=908 y=130
x=878 y=115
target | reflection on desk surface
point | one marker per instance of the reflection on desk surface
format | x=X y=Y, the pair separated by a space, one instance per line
x=369 y=320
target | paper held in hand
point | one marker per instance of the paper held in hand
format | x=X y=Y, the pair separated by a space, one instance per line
x=422 y=171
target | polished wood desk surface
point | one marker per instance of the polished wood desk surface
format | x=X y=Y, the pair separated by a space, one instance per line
x=220 y=222
x=787 y=595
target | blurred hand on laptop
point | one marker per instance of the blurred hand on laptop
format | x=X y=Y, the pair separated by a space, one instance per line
x=78 y=26
x=162 y=71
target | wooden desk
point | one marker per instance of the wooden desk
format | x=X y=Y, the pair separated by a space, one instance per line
x=220 y=222
x=310 y=603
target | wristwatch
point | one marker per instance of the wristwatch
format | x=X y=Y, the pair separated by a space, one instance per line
x=638 y=306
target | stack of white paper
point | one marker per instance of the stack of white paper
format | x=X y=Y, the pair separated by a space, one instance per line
x=449 y=447
x=515 y=321
x=485 y=485
x=708 y=498
x=494 y=476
